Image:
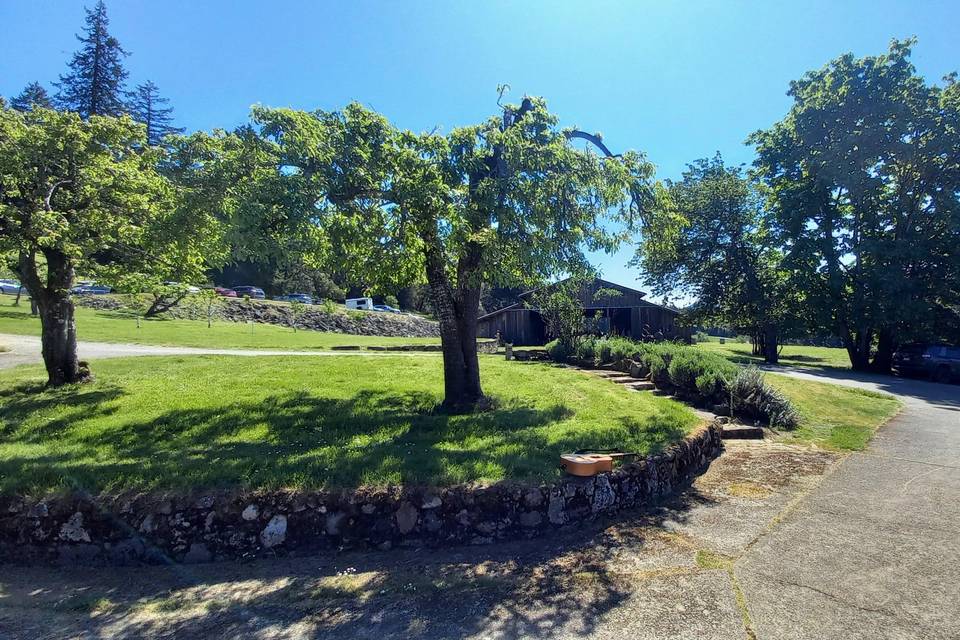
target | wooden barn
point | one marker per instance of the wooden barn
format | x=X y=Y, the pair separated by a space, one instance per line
x=626 y=314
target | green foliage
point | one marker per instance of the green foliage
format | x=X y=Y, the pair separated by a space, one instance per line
x=391 y=300
x=32 y=95
x=709 y=237
x=561 y=310
x=559 y=351
x=704 y=377
x=297 y=309
x=863 y=180
x=753 y=397
x=147 y=107
x=95 y=83
x=329 y=306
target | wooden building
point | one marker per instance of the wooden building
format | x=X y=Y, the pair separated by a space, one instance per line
x=626 y=314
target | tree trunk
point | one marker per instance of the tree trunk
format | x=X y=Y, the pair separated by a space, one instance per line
x=59 y=341
x=16 y=301
x=458 y=339
x=886 y=346
x=857 y=345
x=771 y=344
x=58 y=330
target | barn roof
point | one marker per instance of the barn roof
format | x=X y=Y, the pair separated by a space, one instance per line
x=603 y=284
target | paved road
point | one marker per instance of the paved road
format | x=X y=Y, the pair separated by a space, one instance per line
x=26 y=350
x=874 y=551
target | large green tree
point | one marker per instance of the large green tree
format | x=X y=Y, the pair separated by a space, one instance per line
x=86 y=195
x=506 y=202
x=708 y=237
x=864 y=177
x=94 y=85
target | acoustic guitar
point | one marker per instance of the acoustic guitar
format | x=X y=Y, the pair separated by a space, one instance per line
x=590 y=463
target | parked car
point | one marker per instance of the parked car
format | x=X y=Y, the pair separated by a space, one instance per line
x=305 y=298
x=254 y=292
x=189 y=287
x=226 y=293
x=359 y=303
x=11 y=287
x=90 y=289
x=386 y=308
x=935 y=361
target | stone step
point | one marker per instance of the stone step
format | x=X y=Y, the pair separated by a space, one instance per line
x=641 y=385
x=622 y=379
x=742 y=432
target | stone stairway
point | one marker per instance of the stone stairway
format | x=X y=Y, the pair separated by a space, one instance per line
x=731 y=431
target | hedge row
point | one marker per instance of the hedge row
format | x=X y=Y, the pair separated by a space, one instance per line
x=699 y=376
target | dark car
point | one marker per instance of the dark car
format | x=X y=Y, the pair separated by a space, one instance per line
x=254 y=292
x=305 y=298
x=226 y=293
x=90 y=289
x=935 y=361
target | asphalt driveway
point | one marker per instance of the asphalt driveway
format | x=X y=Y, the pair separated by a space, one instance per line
x=874 y=551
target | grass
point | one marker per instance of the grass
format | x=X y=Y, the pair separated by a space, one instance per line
x=111 y=326
x=835 y=417
x=791 y=355
x=337 y=421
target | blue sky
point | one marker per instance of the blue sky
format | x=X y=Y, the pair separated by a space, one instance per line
x=676 y=80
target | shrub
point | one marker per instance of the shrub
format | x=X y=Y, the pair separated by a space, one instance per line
x=701 y=336
x=753 y=397
x=586 y=350
x=559 y=351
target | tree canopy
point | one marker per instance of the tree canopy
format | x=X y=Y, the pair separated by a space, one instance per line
x=507 y=202
x=148 y=107
x=88 y=195
x=863 y=176
x=95 y=83
x=709 y=237
x=32 y=95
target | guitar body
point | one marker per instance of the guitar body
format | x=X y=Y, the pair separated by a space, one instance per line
x=586 y=464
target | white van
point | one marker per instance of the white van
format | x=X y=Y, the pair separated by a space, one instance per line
x=360 y=303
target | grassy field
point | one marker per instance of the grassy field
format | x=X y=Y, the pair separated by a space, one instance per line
x=109 y=326
x=795 y=356
x=835 y=417
x=338 y=421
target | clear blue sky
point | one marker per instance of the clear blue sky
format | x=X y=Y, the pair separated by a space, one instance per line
x=676 y=80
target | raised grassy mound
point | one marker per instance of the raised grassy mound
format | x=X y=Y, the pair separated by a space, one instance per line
x=309 y=423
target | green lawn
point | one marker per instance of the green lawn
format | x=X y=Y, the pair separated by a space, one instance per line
x=795 y=356
x=110 y=326
x=835 y=417
x=338 y=421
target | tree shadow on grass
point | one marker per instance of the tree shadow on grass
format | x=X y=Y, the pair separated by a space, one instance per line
x=301 y=440
x=19 y=402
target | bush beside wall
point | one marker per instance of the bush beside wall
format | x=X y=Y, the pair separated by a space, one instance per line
x=704 y=378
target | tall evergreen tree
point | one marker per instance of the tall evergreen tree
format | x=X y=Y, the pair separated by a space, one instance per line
x=33 y=95
x=147 y=106
x=95 y=82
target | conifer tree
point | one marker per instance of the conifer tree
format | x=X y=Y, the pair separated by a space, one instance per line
x=33 y=95
x=95 y=83
x=146 y=106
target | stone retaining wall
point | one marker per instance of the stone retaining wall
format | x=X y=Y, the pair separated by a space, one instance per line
x=133 y=529
x=362 y=323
